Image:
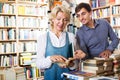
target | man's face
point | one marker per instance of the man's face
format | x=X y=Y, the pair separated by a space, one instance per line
x=84 y=16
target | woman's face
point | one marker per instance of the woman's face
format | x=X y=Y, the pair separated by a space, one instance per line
x=60 y=22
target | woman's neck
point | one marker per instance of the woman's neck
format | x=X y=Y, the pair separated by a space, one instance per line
x=57 y=33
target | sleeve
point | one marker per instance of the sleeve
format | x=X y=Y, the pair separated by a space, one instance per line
x=41 y=61
x=73 y=40
x=113 y=38
x=81 y=42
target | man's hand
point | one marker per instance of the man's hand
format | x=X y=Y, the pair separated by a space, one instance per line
x=105 y=54
x=79 y=54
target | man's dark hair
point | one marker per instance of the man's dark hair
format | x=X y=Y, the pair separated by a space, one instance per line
x=83 y=5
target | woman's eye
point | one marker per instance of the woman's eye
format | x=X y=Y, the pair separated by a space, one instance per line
x=58 y=19
x=65 y=19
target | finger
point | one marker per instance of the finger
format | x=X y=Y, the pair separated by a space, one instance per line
x=62 y=59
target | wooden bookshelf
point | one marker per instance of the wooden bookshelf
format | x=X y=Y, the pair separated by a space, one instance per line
x=21 y=21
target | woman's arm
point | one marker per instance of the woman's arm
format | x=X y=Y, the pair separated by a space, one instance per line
x=41 y=61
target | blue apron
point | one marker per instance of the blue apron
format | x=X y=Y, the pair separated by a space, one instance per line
x=54 y=72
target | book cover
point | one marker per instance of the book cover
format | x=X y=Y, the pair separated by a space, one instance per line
x=103 y=78
x=97 y=72
x=94 y=61
x=94 y=67
x=77 y=75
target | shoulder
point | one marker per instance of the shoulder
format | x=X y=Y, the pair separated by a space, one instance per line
x=71 y=35
x=42 y=35
x=102 y=20
x=80 y=30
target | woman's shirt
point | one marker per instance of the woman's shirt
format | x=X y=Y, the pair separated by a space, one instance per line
x=43 y=62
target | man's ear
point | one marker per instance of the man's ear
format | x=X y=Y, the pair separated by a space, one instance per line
x=90 y=14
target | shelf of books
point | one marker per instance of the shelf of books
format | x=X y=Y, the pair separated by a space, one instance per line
x=20 y=23
x=110 y=10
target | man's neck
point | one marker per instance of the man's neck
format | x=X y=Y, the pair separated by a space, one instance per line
x=91 y=24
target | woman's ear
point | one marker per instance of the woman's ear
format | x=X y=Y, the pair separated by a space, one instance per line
x=53 y=20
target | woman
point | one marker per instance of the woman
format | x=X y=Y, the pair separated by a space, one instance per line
x=54 y=45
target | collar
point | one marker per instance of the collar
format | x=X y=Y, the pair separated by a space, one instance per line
x=95 y=24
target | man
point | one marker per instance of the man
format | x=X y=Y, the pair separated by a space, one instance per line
x=94 y=35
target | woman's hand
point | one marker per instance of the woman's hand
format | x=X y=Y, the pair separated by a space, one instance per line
x=60 y=60
x=57 y=58
x=79 y=54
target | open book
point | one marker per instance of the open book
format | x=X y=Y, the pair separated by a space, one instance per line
x=69 y=62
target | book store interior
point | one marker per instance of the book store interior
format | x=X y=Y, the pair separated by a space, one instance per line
x=59 y=39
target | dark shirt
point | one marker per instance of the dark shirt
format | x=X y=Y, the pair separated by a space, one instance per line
x=93 y=41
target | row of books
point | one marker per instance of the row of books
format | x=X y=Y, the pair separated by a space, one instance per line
x=117 y=31
x=33 y=22
x=27 y=46
x=38 y=1
x=24 y=34
x=100 y=3
x=115 y=21
x=8 y=47
x=28 y=0
x=10 y=21
x=32 y=72
x=7 y=21
x=33 y=10
x=23 y=9
x=101 y=13
x=7 y=8
x=8 y=61
x=12 y=47
x=7 y=34
x=116 y=9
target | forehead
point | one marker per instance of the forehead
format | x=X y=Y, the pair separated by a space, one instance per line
x=61 y=14
x=82 y=10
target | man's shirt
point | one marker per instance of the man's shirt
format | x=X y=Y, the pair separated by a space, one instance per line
x=93 y=41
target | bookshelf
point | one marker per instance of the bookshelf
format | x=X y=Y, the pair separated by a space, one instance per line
x=110 y=10
x=21 y=22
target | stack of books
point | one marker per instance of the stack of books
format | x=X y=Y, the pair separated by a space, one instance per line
x=116 y=63
x=2 y=77
x=108 y=66
x=93 y=66
x=14 y=73
x=19 y=73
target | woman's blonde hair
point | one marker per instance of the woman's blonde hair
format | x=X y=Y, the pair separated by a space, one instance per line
x=55 y=11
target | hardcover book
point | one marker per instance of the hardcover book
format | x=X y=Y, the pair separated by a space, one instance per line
x=77 y=75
